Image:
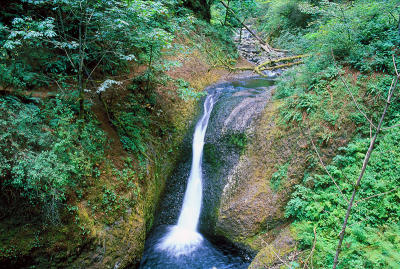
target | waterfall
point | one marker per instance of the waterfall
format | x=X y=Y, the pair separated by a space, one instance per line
x=183 y=238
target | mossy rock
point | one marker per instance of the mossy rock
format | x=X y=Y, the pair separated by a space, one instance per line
x=250 y=204
x=273 y=252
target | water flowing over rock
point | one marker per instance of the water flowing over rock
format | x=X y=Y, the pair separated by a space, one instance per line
x=230 y=131
x=242 y=150
x=183 y=238
x=181 y=246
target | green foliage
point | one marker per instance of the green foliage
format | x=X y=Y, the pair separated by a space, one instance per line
x=373 y=238
x=45 y=150
x=43 y=157
x=282 y=17
x=188 y=93
x=244 y=9
x=113 y=33
x=109 y=200
x=362 y=36
x=238 y=140
x=132 y=120
x=215 y=41
x=212 y=156
x=278 y=176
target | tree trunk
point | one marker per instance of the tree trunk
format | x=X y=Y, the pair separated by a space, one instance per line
x=83 y=25
x=226 y=13
x=80 y=70
x=200 y=7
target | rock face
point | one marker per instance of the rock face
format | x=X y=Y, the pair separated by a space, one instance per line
x=231 y=130
x=280 y=247
x=248 y=203
x=251 y=163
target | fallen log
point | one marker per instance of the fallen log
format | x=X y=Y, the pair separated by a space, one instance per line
x=263 y=66
x=285 y=59
x=281 y=66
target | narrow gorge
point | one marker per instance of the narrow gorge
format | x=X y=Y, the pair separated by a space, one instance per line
x=203 y=134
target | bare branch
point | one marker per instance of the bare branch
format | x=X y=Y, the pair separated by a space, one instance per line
x=94 y=68
x=58 y=85
x=370 y=131
x=326 y=170
x=351 y=94
x=395 y=66
x=272 y=249
x=394 y=126
x=364 y=166
x=390 y=89
x=376 y=195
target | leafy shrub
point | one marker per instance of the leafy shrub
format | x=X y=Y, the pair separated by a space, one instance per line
x=283 y=16
x=41 y=38
x=46 y=152
x=132 y=120
x=212 y=156
x=186 y=92
x=372 y=240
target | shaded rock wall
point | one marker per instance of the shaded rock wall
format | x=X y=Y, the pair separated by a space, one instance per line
x=250 y=166
x=231 y=128
x=252 y=204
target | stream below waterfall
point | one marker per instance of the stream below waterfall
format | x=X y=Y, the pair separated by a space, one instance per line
x=182 y=245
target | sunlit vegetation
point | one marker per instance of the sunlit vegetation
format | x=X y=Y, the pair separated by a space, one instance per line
x=82 y=115
x=78 y=78
x=355 y=40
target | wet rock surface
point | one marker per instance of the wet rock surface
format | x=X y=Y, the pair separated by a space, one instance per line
x=229 y=133
x=239 y=103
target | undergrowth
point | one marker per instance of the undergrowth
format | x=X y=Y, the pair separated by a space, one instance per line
x=353 y=42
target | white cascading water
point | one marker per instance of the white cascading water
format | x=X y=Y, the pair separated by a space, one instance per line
x=183 y=238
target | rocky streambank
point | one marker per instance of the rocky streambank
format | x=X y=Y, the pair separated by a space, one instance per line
x=250 y=49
